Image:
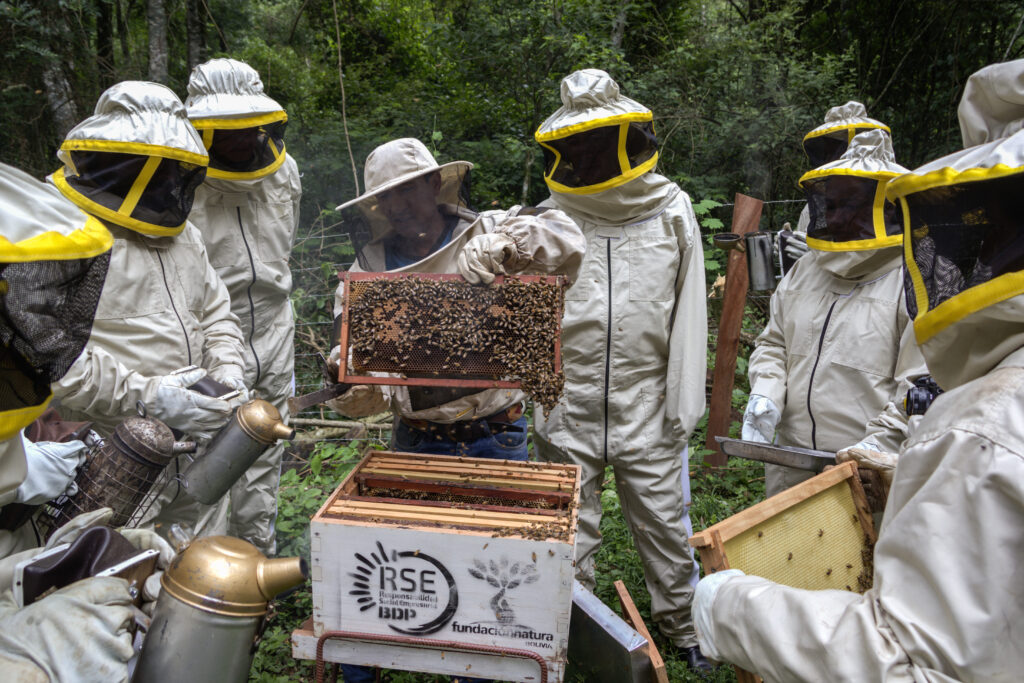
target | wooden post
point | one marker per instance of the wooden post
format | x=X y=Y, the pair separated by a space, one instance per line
x=746 y=215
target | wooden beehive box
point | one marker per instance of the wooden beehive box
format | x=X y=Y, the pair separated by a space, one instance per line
x=420 y=548
x=816 y=535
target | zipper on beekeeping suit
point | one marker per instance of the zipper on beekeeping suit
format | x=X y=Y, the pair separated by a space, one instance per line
x=184 y=332
x=821 y=340
x=608 y=346
x=248 y=293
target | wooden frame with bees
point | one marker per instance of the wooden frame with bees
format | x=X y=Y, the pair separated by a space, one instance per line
x=816 y=535
x=428 y=549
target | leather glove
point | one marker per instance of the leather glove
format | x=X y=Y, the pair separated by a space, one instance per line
x=180 y=408
x=483 y=257
x=361 y=400
x=334 y=363
x=703 y=599
x=796 y=245
x=51 y=469
x=147 y=539
x=79 y=633
x=869 y=456
x=760 y=419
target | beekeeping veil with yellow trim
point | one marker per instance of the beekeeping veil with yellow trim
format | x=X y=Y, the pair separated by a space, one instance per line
x=598 y=139
x=53 y=260
x=136 y=162
x=964 y=234
x=242 y=128
x=829 y=141
x=846 y=198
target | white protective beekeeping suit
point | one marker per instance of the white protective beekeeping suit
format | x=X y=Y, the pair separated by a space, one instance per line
x=247 y=210
x=837 y=356
x=634 y=336
x=135 y=164
x=53 y=260
x=946 y=598
x=544 y=243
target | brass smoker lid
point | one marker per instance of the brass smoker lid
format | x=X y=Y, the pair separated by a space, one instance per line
x=261 y=421
x=226 y=575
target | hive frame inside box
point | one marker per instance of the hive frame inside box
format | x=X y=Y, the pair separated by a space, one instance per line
x=364 y=550
x=345 y=377
x=816 y=535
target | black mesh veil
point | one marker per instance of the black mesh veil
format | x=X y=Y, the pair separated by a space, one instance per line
x=46 y=314
x=245 y=150
x=842 y=209
x=108 y=177
x=364 y=222
x=964 y=236
x=591 y=157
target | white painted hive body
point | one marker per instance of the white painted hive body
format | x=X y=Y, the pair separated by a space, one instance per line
x=422 y=548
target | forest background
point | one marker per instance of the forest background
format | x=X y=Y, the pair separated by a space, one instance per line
x=734 y=85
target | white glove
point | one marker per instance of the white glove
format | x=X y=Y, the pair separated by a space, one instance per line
x=191 y=412
x=237 y=383
x=51 y=469
x=703 y=599
x=79 y=633
x=869 y=456
x=483 y=257
x=760 y=419
x=147 y=539
x=361 y=400
x=796 y=245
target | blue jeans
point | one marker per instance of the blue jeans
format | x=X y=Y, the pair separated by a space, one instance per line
x=510 y=445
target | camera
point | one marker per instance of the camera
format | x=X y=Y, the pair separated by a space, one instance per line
x=921 y=395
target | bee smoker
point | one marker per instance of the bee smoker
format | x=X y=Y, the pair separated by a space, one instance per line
x=760 y=264
x=211 y=612
x=252 y=429
x=119 y=472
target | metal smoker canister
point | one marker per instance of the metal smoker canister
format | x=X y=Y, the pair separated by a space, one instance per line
x=760 y=265
x=252 y=429
x=121 y=472
x=211 y=611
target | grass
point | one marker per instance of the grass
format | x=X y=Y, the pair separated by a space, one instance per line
x=716 y=495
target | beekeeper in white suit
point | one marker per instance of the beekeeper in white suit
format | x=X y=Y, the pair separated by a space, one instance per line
x=946 y=598
x=247 y=210
x=135 y=165
x=53 y=260
x=832 y=366
x=825 y=144
x=634 y=338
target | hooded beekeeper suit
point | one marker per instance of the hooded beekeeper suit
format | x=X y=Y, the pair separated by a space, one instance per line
x=946 y=598
x=53 y=260
x=247 y=210
x=514 y=241
x=634 y=335
x=827 y=143
x=832 y=366
x=135 y=165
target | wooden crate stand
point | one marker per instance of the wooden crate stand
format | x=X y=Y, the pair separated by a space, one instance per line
x=816 y=535
x=437 y=548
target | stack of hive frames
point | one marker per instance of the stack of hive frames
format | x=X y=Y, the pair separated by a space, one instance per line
x=428 y=367
x=816 y=535
x=494 y=539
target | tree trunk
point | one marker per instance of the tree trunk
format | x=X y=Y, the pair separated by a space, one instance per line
x=104 y=43
x=122 y=33
x=619 y=26
x=156 y=19
x=58 y=95
x=195 y=29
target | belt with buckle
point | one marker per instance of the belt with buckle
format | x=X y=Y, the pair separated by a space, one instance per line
x=471 y=430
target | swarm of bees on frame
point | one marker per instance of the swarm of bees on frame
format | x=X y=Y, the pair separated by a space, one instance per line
x=450 y=328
